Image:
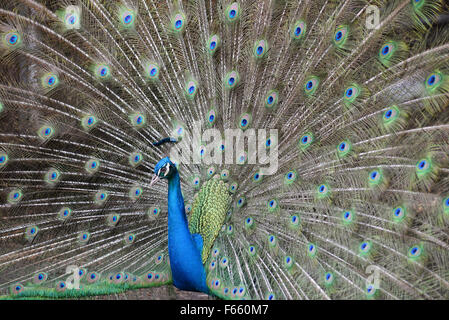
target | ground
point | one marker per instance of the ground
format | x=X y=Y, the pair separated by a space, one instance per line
x=157 y=293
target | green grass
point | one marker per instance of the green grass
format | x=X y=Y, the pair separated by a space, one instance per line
x=104 y=287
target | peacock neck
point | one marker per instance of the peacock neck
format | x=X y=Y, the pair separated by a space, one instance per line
x=185 y=258
x=176 y=210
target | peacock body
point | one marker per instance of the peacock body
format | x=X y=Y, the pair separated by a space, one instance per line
x=337 y=185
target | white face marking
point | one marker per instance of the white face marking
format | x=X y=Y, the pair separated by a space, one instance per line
x=167 y=167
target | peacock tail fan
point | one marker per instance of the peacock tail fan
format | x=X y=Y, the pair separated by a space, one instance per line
x=346 y=101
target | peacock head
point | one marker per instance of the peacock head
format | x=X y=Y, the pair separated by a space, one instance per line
x=164 y=169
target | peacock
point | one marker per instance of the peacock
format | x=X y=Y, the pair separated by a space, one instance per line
x=270 y=149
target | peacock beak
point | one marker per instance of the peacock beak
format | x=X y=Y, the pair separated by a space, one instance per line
x=154 y=180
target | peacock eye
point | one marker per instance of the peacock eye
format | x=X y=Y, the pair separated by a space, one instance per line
x=298 y=30
x=178 y=22
x=271 y=99
x=340 y=36
x=127 y=18
x=232 y=12
x=344 y=148
x=232 y=79
x=311 y=85
x=12 y=39
x=351 y=93
x=311 y=250
x=399 y=214
x=260 y=48
x=414 y=252
x=102 y=71
x=270 y=296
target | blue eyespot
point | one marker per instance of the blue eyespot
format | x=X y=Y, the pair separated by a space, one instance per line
x=422 y=164
x=259 y=50
x=128 y=19
x=13 y=39
x=178 y=24
x=213 y=44
x=311 y=247
x=270 y=100
x=431 y=80
x=349 y=92
x=244 y=122
x=231 y=81
x=309 y=85
x=191 y=89
x=338 y=36
x=298 y=31
x=232 y=13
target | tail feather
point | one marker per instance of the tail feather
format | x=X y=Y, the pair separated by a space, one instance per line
x=89 y=91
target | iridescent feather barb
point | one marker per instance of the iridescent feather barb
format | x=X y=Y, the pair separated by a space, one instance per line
x=90 y=91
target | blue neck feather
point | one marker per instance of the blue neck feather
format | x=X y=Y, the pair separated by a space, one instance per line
x=185 y=256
